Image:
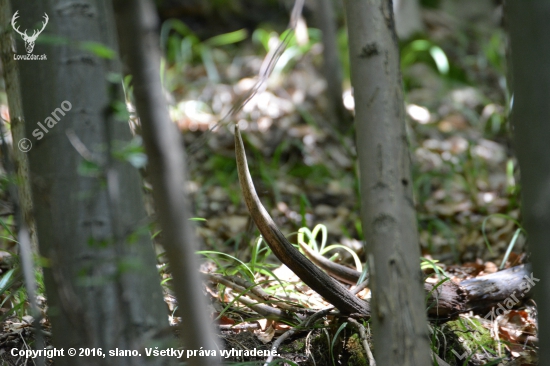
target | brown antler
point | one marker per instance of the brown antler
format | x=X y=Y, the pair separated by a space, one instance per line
x=319 y=281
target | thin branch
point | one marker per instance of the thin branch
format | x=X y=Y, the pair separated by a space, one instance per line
x=364 y=342
x=301 y=326
x=268 y=311
x=79 y=145
x=266 y=69
x=256 y=303
x=242 y=326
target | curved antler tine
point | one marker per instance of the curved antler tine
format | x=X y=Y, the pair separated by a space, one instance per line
x=318 y=280
x=13 y=19
x=46 y=18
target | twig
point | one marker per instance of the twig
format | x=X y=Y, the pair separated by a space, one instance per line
x=257 y=290
x=79 y=146
x=255 y=304
x=266 y=69
x=360 y=287
x=291 y=332
x=268 y=311
x=27 y=347
x=248 y=291
x=254 y=287
x=242 y=326
x=363 y=336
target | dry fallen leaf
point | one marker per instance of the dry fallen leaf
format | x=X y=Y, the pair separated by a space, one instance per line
x=267 y=335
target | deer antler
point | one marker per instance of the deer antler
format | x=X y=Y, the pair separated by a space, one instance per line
x=29 y=40
x=15 y=16
x=44 y=23
x=36 y=33
x=318 y=280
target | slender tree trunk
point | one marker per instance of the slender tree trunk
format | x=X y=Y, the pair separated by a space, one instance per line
x=137 y=23
x=388 y=216
x=17 y=122
x=103 y=288
x=332 y=66
x=407 y=18
x=529 y=34
x=16 y=165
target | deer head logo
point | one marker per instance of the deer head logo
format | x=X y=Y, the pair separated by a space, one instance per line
x=29 y=40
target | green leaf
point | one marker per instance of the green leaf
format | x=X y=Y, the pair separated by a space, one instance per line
x=7 y=228
x=241 y=263
x=440 y=59
x=114 y=77
x=5 y=281
x=209 y=64
x=262 y=36
x=120 y=110
x=227 y=38
x=175 y=25
x=98 y=49
x=89 y=169
x=132 y=153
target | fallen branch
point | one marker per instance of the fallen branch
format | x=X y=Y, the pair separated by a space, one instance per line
x=269 y=312
x=258 y=301
x=258 y=291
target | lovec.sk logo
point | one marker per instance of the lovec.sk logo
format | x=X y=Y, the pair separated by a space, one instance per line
x=29 y=40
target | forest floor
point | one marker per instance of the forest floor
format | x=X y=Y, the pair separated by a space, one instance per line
x=465 y=179
x=465 y=184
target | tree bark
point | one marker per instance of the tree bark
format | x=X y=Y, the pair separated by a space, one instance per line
x=332 y=66
x=407 y=18
x=103 y=289
x=530 y=50
x=17 y=122
x=138 y=37
x=388 y=214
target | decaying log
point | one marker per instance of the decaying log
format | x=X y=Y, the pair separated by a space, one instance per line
x=486 y=295
x=506 y=287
